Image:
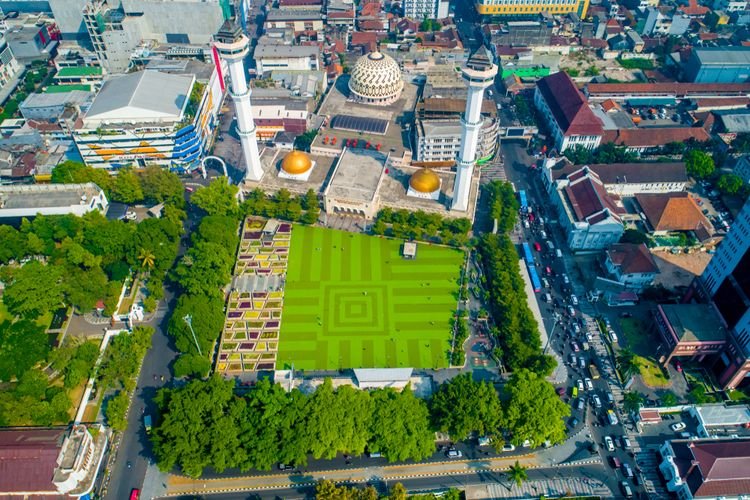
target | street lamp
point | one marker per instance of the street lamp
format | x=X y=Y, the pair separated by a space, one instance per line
x=189 y=320
x=549 y=336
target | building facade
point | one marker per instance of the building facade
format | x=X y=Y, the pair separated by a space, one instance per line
x=566 y=113
x=420 y=9
x=438 y=141
x=718 y=65
x=9 y=67
x=273 y=57
x=630 y=264
x=18 y=201
x=150 y=117
x=726 y=283
x=527 y=8
x=661 y=23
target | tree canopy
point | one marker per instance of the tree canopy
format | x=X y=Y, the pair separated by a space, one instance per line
x=34 y=289
x=699 y=164
x=532 y=409
x=218 y=198
x=462 y=406
x=730 y=184
x=23 y=344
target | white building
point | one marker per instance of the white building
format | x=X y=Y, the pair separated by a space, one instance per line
x=439 y=141
x=17 y=201
x=9 y=68
x=587 y=213
x=630 y=264
x=431 y=9
x=272 y=57
x=567 y=113
x=661 y=23
x=150 y=117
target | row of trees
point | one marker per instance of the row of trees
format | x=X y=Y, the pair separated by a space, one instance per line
x=205 y=424
x=326 y=489
x=515 y=328
x=119 y=369
x=153 y=184
x=420 y=225
x=606 y=153
x=202 y=273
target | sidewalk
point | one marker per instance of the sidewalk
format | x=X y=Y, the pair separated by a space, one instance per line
x=181 y=485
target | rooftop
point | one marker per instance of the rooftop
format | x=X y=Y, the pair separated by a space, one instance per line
x=79 y=71
x=654 y=136
x=724 y=56
x=55 y=99
x=274 y=50
x=370 y=375
x=694 y=322
x=630 y=173
x=672 y=212
x=667 y=88
x=293 y=15
x=735 y=121
x=632 y=258
x=143 y=96
x=46 y=195
x=587 y=197
x=357 y=175
x=28 y=458
x=714 y=468
x=568 y=105
x=720 y=415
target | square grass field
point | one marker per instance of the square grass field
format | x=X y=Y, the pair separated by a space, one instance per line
x=352 y=301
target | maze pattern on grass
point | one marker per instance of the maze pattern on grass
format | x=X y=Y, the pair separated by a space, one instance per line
x=352 y=301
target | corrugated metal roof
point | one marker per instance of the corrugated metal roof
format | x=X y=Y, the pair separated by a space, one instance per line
x=723 y=56
x=365 y=375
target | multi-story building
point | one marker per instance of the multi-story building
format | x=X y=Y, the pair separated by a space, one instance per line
x=298 y=20
x=706 y=469
x=9 y=68
x=438 y=131
x=726 y=284
x=273 y=57
x=30 y=42
x=68 y=16
x=526 y=8
x=742 y=168
x=587 y=213
x=664 y=22
x=19 y=201
x=272 y=116
x=719 y=65
x=150 y=117
x=420 y=9
x=518 y=33
x=566 y=112
x=112 y=42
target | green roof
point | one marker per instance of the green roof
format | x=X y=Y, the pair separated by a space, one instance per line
x=61 y=89
x=79 y=71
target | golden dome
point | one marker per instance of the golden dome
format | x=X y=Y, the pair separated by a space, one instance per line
x=296 y=163
x=424 y=180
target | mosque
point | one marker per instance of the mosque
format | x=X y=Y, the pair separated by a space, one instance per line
x=360 y=160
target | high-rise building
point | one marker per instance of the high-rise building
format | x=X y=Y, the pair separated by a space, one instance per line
x=726 y=283
x=479 y=73
x=515 y=8
x=68 y=15
x=420 y=9
x=233 y=46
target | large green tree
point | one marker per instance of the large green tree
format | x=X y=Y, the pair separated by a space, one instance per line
x=401 y=426
x=126 y=187
x=23 y=344
x=207 y=320
x=205 y=269
x=160 y=185
x=14 y=244
x=699 y=164
x=218 y=198
x=462 y=406
x=117 y=411
x=730 y=184
x=34 y=290
x=532 y=409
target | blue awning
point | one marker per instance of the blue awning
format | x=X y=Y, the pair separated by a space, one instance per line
x=652 y=101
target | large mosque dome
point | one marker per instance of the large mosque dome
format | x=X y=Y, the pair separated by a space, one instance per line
x=425 y=181
x=376 y=79
x=296 y=163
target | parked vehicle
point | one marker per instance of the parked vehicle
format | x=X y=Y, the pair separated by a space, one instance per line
x=579 y=384
x=627 y=470
x=597 y=401
x=589 y=384
x=574 y=300
x=625 y=487
x=678 y=426
x=612 y=417
x=609 y=444
x=454 y=453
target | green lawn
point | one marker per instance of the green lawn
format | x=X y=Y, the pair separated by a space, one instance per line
x=640 y=342
x=352 y=301
x=43 y=320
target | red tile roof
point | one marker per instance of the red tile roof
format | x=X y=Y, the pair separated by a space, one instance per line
x=371 y=25
x=363 y=38
x=632 y=258
x=298 y=3
x=588 y=199
x=654 y=137
x=672 y=212
x=28 y=459
x=628 y=173
x=596 y=43
x=568 y=105
x=714 y=468
x=370 y=9
x=693 y=9
x=668 y=88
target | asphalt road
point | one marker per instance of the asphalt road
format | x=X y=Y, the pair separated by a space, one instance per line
x=517 y=165
x=423 y=484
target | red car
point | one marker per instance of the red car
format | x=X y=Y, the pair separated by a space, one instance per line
x=678 y=365
x=189 y=189
x=135 y=494
x=537 y=246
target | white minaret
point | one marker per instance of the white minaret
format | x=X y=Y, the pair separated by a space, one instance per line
x=479 y=73
x=232 y=46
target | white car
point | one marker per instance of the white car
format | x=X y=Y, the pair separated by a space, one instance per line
x=130 y=215
x=589 y=384
x=609 y=444
x=565 y=278
x=579 y=383
x=613 y=336
x=678 y=426
x=454 y=454
x=574 y=300
x=508 y=447
x=571 y=311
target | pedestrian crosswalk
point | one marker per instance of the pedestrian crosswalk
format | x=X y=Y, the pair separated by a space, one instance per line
x=494 y=171
x=553 y=487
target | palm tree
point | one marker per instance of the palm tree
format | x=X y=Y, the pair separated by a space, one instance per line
x=628 y=363
x=517 y=474
x=147 y=258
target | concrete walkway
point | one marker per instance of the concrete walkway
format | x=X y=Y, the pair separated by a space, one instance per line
x=553 y=487
x=181 y=485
